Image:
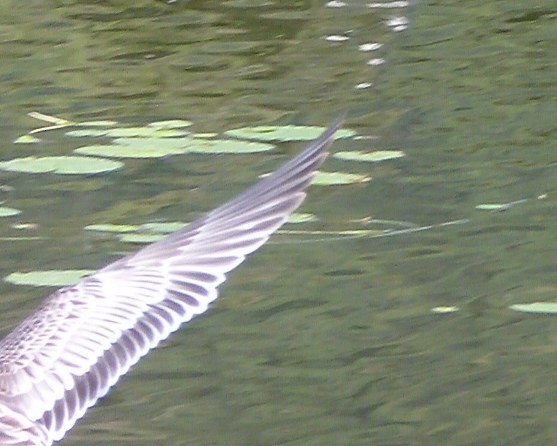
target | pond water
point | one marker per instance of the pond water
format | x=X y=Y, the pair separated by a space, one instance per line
x=330 y=341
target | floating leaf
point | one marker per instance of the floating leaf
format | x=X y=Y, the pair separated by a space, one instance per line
x=172 y=124
x=8 y=212
x=87 y=133
x=444 y=309
x=158 y=228
x=27 y=139
x=140 y=238
x=163 y=227
x=379 y=155
x=336 y=38
x=48 y=278
x=284 y=133
x=65 y=165
x=128 y=132
x=205 y=135
x=25 y=226
x=337 y=178
x=536 y=307
x=112 y=228
x=499 y=207
x=97 y=123
x=121 y=151
x=51 y=119
x=225 y=146
x=145 y=132
x=301 y=217
x=165 y=143
x=492 y=207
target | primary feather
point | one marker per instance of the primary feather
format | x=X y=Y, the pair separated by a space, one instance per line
x=77 y=344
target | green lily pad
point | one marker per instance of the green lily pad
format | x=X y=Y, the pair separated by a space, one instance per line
x=492 y=207
x=87 y=133
x=498 y=207
x=163 y=227
x=27 y=139
x=376 y=156
x=24 y=226
x=121 y=151
x=140 y=238
x=98 y=124
x=149 y=228
x=111 y=228
x=536 y=307
x=338 y=178
x=171 y=124
x=445 y=309
x=8 y=212
x=48 y=278
x=284 y=133
x=128 y=132
x=64 y=165
x=205 y=135
x=301 y=217
x=165 y=143
x=225 y=146
x=145 y=132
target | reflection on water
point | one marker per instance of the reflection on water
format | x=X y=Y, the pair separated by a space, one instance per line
x=331 y=342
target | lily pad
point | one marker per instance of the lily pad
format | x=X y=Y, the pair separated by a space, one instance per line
x=157 y=228
x=205 y=135
x=498 y=207
x=172 y=124
x=225 y=146
x=373 y=157
x=141 y=238
x=160 y=147
x=338 y=178
x=130 y=151
x=8 y=212
x=165 y=143
x=97 y=123
x=25 y=227
x=284 y=133
x=444 y=309
x=145 y=132
x=87 y=133
x=163 y=227
x=536 y=307
x=492 y=207
x=128 y=132
x=48 y=278
x=64 y=165
x=108 y=227
x=27 y=139
x=301 y=217
x=336 y=38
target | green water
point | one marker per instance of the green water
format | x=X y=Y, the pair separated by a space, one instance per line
x=324 y=343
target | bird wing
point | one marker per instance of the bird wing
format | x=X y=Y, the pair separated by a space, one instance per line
x=81 y=339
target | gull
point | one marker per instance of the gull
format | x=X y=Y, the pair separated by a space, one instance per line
x=77 y=344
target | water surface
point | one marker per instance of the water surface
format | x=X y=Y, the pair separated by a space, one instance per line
x=328 y=342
